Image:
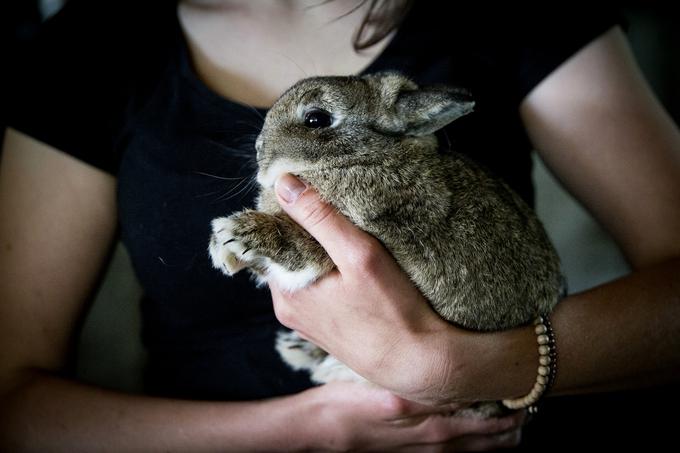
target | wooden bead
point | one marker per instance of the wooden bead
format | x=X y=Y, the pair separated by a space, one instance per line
x=509 y=404
x=540 y=329
x=538 y=386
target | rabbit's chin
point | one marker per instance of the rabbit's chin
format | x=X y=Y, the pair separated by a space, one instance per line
x=268 y=175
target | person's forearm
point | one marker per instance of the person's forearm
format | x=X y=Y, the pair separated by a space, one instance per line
x=52 y=414
x=622 y=334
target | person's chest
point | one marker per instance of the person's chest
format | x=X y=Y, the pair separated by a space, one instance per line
x=254 y=60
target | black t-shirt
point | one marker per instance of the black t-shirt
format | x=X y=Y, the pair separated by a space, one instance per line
x=114 y=86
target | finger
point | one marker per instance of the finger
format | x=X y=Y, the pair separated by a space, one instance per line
x=476 y=442
x=494 y=425
x=286 y=310
x=281 y=305
x=337 y=235
x=410 y=409
x=445 y=429
x=486 y=442
x=463 y=441
x=291 y=308
x=283 y=310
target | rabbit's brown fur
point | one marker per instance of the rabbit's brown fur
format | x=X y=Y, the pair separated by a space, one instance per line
x=474 y=249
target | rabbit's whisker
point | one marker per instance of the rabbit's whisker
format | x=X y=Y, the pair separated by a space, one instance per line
x=218 y=177
x=239 y=189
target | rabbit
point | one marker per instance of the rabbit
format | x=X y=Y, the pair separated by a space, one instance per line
x=472 y=246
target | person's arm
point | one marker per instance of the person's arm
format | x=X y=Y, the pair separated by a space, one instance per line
x=600 y=129
x=57 y=220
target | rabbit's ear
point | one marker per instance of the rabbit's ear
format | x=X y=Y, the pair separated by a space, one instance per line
x=409 y=110
x=389 y=85
x=424 y=111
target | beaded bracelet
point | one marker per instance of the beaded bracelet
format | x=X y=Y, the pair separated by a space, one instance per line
x=547 y=367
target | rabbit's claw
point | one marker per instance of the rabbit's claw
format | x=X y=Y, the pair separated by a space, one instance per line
x=230 y=251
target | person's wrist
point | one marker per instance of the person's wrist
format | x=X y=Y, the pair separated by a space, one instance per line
x=320 y=417
x=300 y=420
x=492 y=366
x=428 y=370
x=452 y=359
x=327 y=417
x=460 y=365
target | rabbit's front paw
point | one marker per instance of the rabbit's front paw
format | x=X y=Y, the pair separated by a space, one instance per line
x=301 y=354
x=274 y=248
x=297 y=352
x=228 y=250
x=331 y=369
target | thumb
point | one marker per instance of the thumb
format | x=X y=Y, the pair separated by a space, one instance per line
x=336 y=234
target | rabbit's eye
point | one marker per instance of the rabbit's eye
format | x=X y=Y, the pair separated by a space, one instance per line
x=315 y=119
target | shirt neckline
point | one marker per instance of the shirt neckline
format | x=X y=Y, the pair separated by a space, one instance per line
x=189 y=74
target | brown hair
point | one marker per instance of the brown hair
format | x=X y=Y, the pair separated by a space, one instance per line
x=381 y=19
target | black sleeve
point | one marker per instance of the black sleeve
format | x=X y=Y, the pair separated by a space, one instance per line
x=549 y=37
x=508 y=48
x=73 y=86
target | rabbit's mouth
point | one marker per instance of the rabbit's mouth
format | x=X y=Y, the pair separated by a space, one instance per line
x=268 y=174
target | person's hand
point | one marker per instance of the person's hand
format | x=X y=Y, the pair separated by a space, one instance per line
x=349 y=416
x=367 y=313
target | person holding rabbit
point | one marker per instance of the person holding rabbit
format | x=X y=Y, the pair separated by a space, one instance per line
x=152 y=135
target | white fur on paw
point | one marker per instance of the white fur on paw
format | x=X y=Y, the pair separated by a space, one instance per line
x=298 y=353
x=331 y=369
x=228 y=254
x=291 y=280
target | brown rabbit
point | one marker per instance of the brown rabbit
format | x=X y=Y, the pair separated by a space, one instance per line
x=475 y=250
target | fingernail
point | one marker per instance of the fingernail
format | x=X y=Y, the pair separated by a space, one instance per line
x=289 y=187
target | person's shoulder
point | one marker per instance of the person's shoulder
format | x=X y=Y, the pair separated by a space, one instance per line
x=508 y=24
x=517 y=45
x=71 y=85
x=99 y=32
